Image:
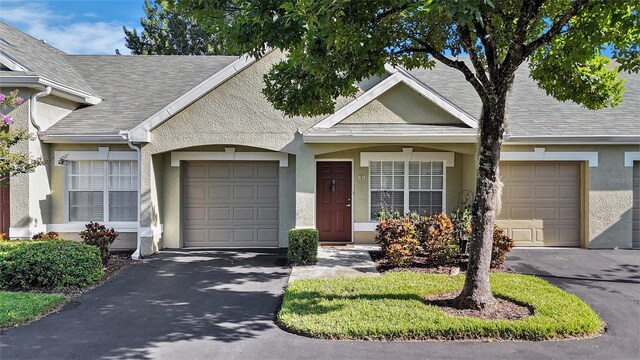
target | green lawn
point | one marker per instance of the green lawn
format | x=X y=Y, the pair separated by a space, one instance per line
x=20 y=307
x=391 y=307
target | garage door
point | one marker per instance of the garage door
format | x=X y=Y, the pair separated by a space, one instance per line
x=541 y=203
x=636 y=205
x=230 y=204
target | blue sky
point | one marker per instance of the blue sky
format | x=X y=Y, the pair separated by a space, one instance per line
x=75 y=26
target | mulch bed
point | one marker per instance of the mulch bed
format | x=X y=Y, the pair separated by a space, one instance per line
x=422 y=266
x=503 y=309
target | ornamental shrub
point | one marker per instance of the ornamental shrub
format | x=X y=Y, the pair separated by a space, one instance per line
x=303 y=246
x=397 y=239
x=48 y=264
x=502 y=244
x=51 y=235
x=98 y=235
x=439 y=245
x=461 y=219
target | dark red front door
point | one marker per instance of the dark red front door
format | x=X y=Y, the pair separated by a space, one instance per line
x=333 y=200
x=4 y=209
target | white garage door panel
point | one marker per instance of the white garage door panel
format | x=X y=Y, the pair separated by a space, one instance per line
x=541 y=203
x=230 y=204
x=636 y=205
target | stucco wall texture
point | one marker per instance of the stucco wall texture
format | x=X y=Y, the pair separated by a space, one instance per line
x=235 y=114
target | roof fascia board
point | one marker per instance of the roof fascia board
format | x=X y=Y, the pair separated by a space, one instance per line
x=574 y=139
x=142 y=132
x=10 y=63
x=82 y=139
x=383 y=86
x=35 y=81
x=387 y=139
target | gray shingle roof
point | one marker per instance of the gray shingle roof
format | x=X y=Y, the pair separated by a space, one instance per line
x=532 y=113
x=133 y=88
x=39 y=58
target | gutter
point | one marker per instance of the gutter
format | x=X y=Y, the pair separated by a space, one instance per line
x=86 y=139
x=136 y=254
x=58 y=89
x=573 y=140
x=33 y=106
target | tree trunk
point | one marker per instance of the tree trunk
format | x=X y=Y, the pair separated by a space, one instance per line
x=476 y=293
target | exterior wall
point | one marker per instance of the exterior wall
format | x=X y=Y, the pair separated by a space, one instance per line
x=125 y=241
x=401 y=105
x=171 y=199
x=607 y=197
x=30 y=193
x=360 y=198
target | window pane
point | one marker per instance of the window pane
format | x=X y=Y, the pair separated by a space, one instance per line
x=86 y=206
x=425 y=168
x=414 y=168
x=387 y=182
x=376 y=182
x=414 y=182
x=437 y=183
x=437 y=168
x=389 y=200
x=398 y=182
x=425 y=202
x=387 y=168
x=425 y=183
x=398 y=167
x=375 y=168
x=123 y=206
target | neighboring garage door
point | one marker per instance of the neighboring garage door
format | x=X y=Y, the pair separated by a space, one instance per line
x=636 y=205
x=541 y=203
x=230 y=204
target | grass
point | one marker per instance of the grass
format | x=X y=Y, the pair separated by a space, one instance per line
x=20 y=307
x=391 y=307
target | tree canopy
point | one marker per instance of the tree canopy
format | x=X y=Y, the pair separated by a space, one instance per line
x=171 y=31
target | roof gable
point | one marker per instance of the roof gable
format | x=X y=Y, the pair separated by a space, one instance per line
x=382 y=96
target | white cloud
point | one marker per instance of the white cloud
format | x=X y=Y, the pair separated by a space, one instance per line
x=63 y=30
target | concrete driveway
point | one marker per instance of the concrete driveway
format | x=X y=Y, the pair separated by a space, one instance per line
x=220 y=305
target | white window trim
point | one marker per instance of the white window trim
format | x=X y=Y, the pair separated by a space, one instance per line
x=103 y=154
x=630 y=157
x=105 y=194
x=229 y=154
x=540 y=154
x=407 y=154
x=367 y=226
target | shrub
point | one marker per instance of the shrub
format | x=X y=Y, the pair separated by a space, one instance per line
x=303 y=246
x=49 y=264
x=502 y=244
x=439 y=245
x=397 y=239
x=51 y=235
x=461 y=219
x=98 y=235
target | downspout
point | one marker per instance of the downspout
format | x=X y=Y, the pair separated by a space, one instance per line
x=32 y=107
x=136 y=254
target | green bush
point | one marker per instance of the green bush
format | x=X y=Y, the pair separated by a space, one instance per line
x=48 y=264
x=397 y=239
x=303 y=246
x=98 y=235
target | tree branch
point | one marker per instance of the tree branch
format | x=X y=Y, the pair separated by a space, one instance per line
x=455 y=64
x=556 y=28
x=467 y=44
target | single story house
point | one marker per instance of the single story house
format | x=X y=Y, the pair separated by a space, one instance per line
x=184 y=151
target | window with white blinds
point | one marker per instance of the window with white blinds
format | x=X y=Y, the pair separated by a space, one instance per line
x=406 y=186
x=102 y=190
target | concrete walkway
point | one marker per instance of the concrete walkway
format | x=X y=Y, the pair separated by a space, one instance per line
x=338 y=262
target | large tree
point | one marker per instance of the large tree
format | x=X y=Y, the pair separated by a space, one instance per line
x=333 y=44
x=167 y=30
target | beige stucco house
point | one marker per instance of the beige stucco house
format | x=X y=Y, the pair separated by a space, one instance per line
x=186 y=152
